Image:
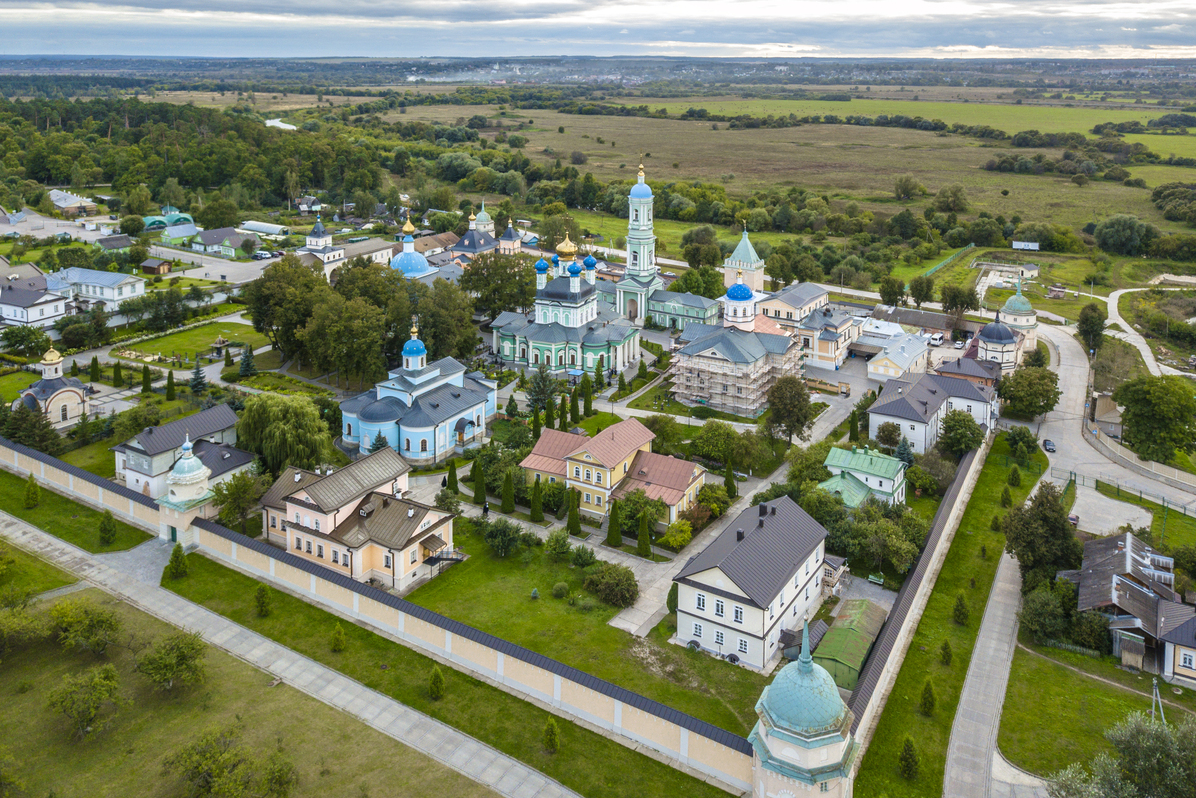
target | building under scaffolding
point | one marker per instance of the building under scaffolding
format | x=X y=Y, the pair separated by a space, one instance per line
x=732 y=370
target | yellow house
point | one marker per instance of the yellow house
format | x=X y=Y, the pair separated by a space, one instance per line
x=1179 y=654
x=596 y=466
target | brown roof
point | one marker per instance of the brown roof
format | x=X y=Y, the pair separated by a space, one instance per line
x=659 y=476
x=286 y=484
x=440 y=240
x=615 y=443
x=394 y=523
x=549 y=453
x=330 y=492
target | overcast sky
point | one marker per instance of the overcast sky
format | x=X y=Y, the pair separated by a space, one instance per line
x=397 y=28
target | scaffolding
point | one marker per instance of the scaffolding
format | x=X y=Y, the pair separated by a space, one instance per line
x=736 y=388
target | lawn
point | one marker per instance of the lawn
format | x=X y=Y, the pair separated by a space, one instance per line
x=599 y=421
x=1069 y=307
x=492 y=594
x=335 y=754
x=11 y=385
x=63 y=518
x=657 y=399
x=1053 y=716
x=96 y=457
x=280 y=383
x=28 y=572
x=200 y=339
x=1170 y=526
x=588 y=762
x=970 y=567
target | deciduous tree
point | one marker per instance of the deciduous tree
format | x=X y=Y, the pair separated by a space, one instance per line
x=1159 y=416
x=1030 y=392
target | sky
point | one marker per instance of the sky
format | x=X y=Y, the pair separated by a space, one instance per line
x=519 y=28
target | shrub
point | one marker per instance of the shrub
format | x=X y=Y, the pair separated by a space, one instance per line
x=671 y=601
x=909 y=760
x=558 y=546
x=261 y=600
x=583 y=557
x=436 y=683
x=338 y=641
x=962 y=611
x=926 y=705
x=107 y=529
x=1015 y=477
x=1006 y=497
x=614 y=584
x=678 y=535
x=945 y=653
x=33 y=493
x=177 y=567
x=560 y=590
x=995 y=526
x=552 y=736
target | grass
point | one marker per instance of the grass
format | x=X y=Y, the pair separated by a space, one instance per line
x=63 y=518
x=200 y=339
x=1068 y=307
x=588 y=762
x=31 y=573
x=492 y=594
x=964 y=570
x=96 y=457
x=280 y=383
x=925 y=505
x=657 y=399
x=599 y=421
x=335 y=754
x=268 y=361
x=1053 y=716
x=1168 y=527
x=1116 y=362
x=11 y=385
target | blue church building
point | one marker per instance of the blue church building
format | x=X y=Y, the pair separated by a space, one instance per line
x=426 y=412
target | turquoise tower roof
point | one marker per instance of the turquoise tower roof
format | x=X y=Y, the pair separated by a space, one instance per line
x=803 y=699
x=744 y=253
x=482 y=217
x=1017 y=304
x=189 y=468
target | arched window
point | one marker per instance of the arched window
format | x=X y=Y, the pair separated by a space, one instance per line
x=523 y=353
x=64 y=412
x=576 y=472
x=407 y=445
x=560 y=359
x=296 y=517
x=588 y=475
x=635 y=258
x=572 y=362
x=348 y=429
x=423 y=445
x=598 y=477
x=635 y=215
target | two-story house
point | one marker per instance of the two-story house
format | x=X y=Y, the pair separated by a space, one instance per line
x=597 y=467
x=789 y=306
x=918 y=402
x=825 y=335
x=354 y=521
x=758 y=578
x=860 y=473
x=144 y=461
x=25 y=301
x=90 y=288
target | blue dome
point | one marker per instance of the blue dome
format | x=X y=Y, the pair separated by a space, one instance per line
x=414 y=348
x=739 y=293
x=574 y=268
x=591 y=262
x=641 y=191
x=411 y=264
x=541 y=266
x=556 y=260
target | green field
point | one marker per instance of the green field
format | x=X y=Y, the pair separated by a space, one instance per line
x=588 y=762
x=1183 y=146
x=30 y=573
x=11 y=385
x=335 y=754
x=63 y=518
x=96 y=457
x=280 y=383
x=200 y=339
x=970 y=567
x=1168 y=526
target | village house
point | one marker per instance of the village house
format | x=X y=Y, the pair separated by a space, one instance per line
x=859 y=474
x=674 y=481
x=1179 y=654
x=69 y=204
x=144 y=461
x=25 y=300
x=224 y=241
x=758 y=578
x=114 y=244
x=1106 y=414
x=355 y=522
x=89 y=288
x=895 y=356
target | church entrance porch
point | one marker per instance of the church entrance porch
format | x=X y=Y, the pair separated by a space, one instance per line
x=633 y=309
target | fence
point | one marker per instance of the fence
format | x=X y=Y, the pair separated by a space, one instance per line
x=950 y=260
x=1059 y=644
x=1124 y=456
x=681 y=740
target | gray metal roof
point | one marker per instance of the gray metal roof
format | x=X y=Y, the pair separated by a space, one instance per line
x=970 y=367
x=74 y=275
x=114 y=242
x=155 y=440
x=475 y=242
x=221 y=458
x=342 y=486
x=44 y=389
x=799 y=294
x=688 y=300
x=778 y=536
x=26 y=294
x=738 y=346
x=917 y=397
x=601 y=686
x=559 y=289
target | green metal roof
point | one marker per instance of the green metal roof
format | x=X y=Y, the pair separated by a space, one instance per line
x=1017 y=304
x=744 y=254
x=845 y=647
x=865 y=461
x=850 y=488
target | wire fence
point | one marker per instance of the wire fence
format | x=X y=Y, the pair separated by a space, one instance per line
x=1117 y=490
x=950 y=260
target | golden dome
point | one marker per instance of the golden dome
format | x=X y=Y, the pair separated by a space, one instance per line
x=472 y=218
x=566 y=247
x=51 y=357
x=641 y=168
x=408 y=228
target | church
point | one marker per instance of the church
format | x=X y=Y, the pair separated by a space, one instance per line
x=62 y=400
x=428 y=412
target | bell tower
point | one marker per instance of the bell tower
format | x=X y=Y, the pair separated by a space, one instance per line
x=641 y=240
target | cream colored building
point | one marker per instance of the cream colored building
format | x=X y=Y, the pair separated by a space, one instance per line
x=825 y=336
x=1019 y=314
x=1179 y=654
x=790 y=306
x=62 y=400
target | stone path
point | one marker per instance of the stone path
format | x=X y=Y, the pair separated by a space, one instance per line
x=430 y=737
x=975 y=768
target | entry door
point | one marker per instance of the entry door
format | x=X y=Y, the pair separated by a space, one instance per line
x=174 y=535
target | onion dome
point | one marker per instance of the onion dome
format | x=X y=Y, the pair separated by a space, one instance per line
x=472 y=218
x=574 y=269
x=566 y=247
x=556 y=260
x=997 y=332
x=482 y=217
x=414 y=347
x=641 y=190
x=739 y=293
x=1018 y=305
x=408 y=228
x=318 y=230
x=804 y=699
x=590 y=262
x=541 y=266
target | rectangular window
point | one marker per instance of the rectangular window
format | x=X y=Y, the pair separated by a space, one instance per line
x=782 y=599
x=1186 y=660
x=298 y=544
x=739 y=615
x=597 y=500
x=697 y=630
x=701 y=602
x=589 y=499
x=795 y=603
x=274 y=522
x=772 y=611
x=336 y=557
x=308 y=547
x=412 y=560
x=743 y=646
x=718 y=638
x=386 y=560
x=320 y=551
x=718 y=608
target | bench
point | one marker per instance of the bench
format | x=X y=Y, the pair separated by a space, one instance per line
x=876 y=579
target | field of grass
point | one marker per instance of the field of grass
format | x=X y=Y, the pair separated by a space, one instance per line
x=1168 y=526
x=1181 y=146
x=30 y=573
x=1069 y=307
x=335 y=754
x=63 y=518
x=11 y=385
x=969 y=568
x=280 y=383
x=1116 y=362
x=588 y=762
x=96 y=457
x=493 y=594
x=200 y=339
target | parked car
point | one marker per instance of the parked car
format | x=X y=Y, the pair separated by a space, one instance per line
x=959 y=344
x=1048 y=445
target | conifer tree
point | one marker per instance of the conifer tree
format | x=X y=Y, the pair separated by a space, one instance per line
x=452 y=476
x=74 y=368
x=107 y=529
x=587 y=395
x=563 y=418
x=512 y=407
x=614 y=529
x=644 y=543
x=552 y=736
x=170 y=385
x=508 y=494
x=1006 y=497
x=94 y=376
x=599 y=374
x=33 y=493
x=926 y=705
x=479 y=483
x=729 y=482
x=853 y=427
x=118 y=379
x=549 y=414
x=574 y=409
x=338 y=641
x=1015 y=477
x=670 y=603
x=945 y=653
x=537 y=503
x=574 y=522
x=535 y=424
x=642 y=372
x=261 y=599
x=436 y=684
x=199 y=383
x=228 y=357
x=962 y=611
x=379 y=443
x=248 y=367
x=909 y=760
x=177 y=567
x=622 y=383
x=905 y=452
x=145 y=380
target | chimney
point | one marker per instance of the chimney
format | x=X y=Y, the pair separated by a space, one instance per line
x=773 y=509
x=410 y=511
x=761 y=524
x=386 y=501
x=1121 y=545
x=296 y=476
x=763 y=510
x=738 y=534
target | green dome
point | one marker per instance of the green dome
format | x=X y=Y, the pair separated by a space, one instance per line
x=189 y=468
x=803 y=699
x=483 y=217
x=1017 y=304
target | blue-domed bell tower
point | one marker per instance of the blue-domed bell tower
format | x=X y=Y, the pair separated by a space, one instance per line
x=415 y=354
x=642 y=276
x=803 y=741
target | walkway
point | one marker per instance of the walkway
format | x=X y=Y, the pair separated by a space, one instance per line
x=1133 y=337
x=975 y=769
x=432 y=738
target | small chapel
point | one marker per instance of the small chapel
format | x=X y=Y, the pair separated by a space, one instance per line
x=62 y=400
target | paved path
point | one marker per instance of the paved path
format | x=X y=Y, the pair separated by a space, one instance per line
x=430 y=737
x=973 y=746
x=1133 y=337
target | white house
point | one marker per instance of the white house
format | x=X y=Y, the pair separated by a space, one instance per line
x=918 y=402
x=861 y=473
x=25 y=301
x=760 y=577
x=88 y=288
x=144 y=462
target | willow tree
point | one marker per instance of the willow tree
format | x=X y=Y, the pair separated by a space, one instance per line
x=283 y=431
